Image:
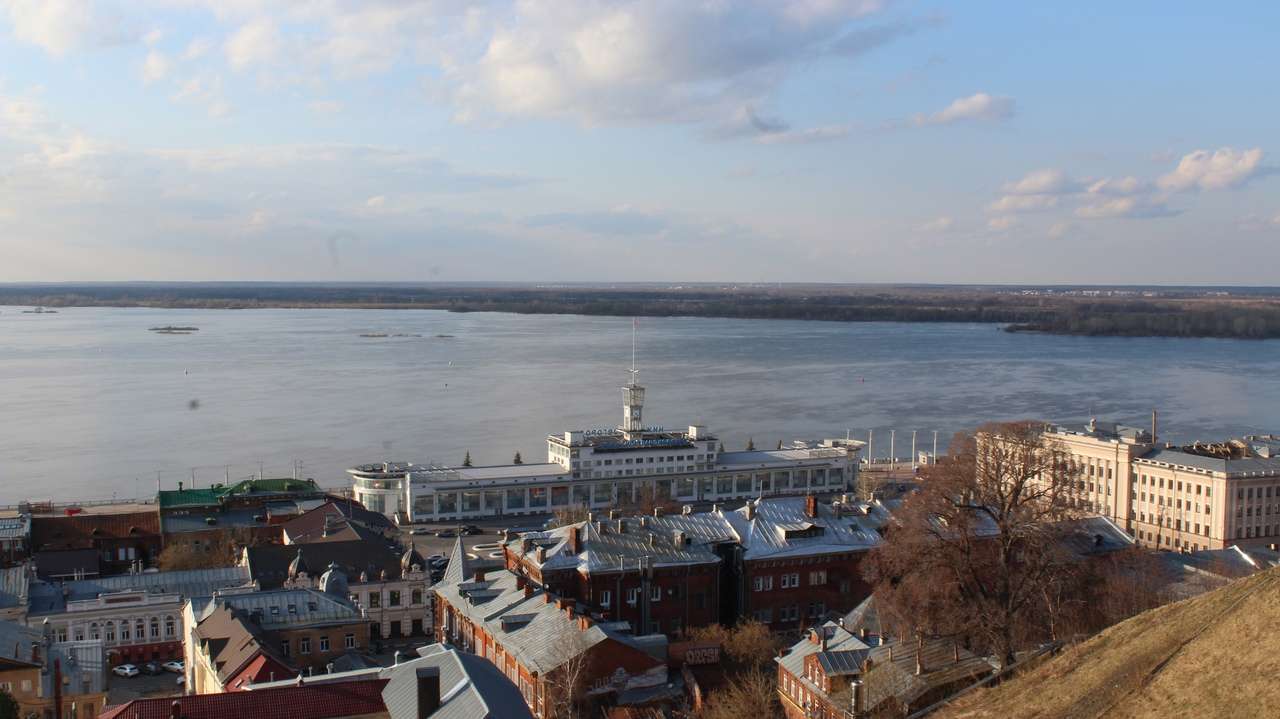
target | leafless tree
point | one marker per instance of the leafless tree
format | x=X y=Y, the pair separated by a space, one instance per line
x=566 y=683
x=975 y=553
x=750 y=695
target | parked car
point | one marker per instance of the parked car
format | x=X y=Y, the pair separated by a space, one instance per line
x=472 y=529
x=436 y=558
x=151 y=668
x=447 y=533
x=126 y=670
x=174 y=666
x=182 y=680
x=420 y=530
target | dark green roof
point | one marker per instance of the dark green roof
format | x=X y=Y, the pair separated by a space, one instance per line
x=215 y=494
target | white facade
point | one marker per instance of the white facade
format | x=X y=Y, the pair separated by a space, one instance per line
x=596 y=467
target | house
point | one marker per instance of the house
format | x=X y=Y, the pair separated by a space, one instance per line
x=332 y=517
x=119 y=536
x=782 y=561
x=138 y=617
x=545 y=644
x=845 y=668
x=229 y=650
x=393 y=590
x=345 y=700
x=45 y=675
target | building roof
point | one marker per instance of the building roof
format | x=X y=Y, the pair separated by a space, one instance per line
x=67 y=562
x=233 y=642
x=1180 y=457
x=269 y=564
x=14 y=582
x=311 y=701
x=243 y=489
x=315 y=521
x=15 y=527
x=530 y=625
x=47 y=597
x=471 y=687
x=221 y=519
x=80 y=531
x=780 y=527
x=289 y=608
x=1105 y=430
x=16 y=642
x=1095 y=535
x=84 y=667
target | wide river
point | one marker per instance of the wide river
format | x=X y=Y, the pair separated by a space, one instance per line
x=93 y=405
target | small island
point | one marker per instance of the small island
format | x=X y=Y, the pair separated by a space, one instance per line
x=170 y=330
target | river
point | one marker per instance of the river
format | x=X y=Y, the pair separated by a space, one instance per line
x=93 y=405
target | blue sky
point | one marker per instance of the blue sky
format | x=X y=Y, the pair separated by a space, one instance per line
x=683 y=140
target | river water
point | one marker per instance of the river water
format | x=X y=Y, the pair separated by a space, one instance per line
x=93 y=405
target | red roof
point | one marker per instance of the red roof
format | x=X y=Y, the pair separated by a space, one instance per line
x=261 y=670
x=312 y=701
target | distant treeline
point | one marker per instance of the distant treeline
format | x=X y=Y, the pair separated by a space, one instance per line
x=1177 y=314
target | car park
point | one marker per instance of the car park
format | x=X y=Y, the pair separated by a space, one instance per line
x=126 y=670
x=151 y=668
x=174 y=666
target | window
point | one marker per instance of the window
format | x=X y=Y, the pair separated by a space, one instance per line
x=155 y=628
x=110 y=632
x=700 y=600
x=350 y=641
x=818 y=577
x=846 y=586
x=633 y=596
x=606 y=598
x=125 y=634
x=417 y=596
x=324 y=643
x=758 y=584
x=657 y=593
x=675 y=625
x=393 y=598
x=26 y=685
x=304 y=645
x=375 y=599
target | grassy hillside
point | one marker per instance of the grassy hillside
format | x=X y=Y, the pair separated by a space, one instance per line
x=1216 y=655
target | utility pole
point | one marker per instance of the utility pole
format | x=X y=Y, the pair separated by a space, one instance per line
x=870 y=449
x=935 y=446
x=893 y=457
x=913 y=449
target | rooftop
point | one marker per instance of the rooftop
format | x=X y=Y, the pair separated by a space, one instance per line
x=47 y=597
x=309 y=701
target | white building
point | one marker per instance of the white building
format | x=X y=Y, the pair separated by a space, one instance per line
x=596 y=467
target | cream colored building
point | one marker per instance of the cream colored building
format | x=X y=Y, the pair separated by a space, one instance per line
x=1201 y=496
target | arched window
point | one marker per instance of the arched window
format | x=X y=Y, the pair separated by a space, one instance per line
x=125 y=633
x=155 y=628
x=93 y=631
x=139 y=630
x=417 y=596
x=109 y=631
x=168 y=626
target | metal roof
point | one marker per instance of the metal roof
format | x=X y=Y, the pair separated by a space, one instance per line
x=470 y=687
x=13 y=586
x=47 y=598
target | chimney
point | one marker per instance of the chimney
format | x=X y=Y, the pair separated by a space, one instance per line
x=750 y=510
x=644 y=522
x=863 y=633
x=428 y=691
x=715 y=508
x=399 y=657
x=890 y=652
x=822 y=639
x=528 y=590
x=546 y=597
x=855 y=693
x=175 y=709
x=839 y=511
x=687 y=509
x=479 y=576
x=519 y=582
x=677 y=539
x=568 y=613
x=919 y=665
x=622 y=526
x=615 y=513
x=811 y=506
x=575 y=540
x=955 y=653
x=657 y=511
x=542 y=555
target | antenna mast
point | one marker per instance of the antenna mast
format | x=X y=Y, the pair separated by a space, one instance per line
x=633 y=369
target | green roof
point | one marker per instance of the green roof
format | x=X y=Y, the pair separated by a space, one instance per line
x=215 y=494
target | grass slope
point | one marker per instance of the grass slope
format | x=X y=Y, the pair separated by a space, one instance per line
x=1216 y=655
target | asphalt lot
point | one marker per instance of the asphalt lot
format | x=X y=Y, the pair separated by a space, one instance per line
x=123 y=689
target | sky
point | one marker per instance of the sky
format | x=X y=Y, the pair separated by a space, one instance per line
x=552 y=141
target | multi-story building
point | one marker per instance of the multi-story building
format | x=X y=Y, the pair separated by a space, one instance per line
x=310 y=627
x=543 y=643
x=783 y=561
x=1192 y=497
x=138 y=617
x=103 y=539
x=601 y=467
x=45 y=676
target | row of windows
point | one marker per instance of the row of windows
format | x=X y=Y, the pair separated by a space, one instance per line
x=788 y=612
x=1152 y=481
x=304 y=644
x=128 y=630
x=1172 y=523
x=1170 y=502
x=373 y=600
x=788 y=581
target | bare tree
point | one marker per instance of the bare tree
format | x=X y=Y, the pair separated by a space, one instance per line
x=751 y=695
x=566 y=683
x=749 y=644
x=571 y=514
x=975 y=553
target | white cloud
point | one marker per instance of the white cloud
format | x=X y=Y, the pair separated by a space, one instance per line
x=327 y=108
x=813 y=134
x=1224 y=169
x=980 y=107
x=376 y=201
x=58 y=25
x=1022 y=203
x=155 y=67
x=1063 y=229
x=219 y=108
x=1007 y=222
x=1258 y=222
x=257 y=42
x=1039 y=182
x=942 y=224
x=1123 y=186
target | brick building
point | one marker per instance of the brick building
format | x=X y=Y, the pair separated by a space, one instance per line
x=782 y=561
x=544 y=643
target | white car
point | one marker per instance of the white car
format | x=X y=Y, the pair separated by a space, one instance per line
x=126 y=670
x=175 y=667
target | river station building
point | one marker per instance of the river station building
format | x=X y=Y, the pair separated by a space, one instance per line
x=598 y=467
